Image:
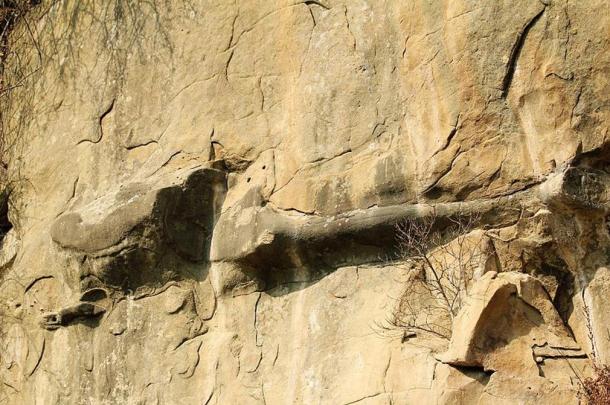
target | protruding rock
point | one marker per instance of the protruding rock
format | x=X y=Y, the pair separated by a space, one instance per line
x=81 y=311
x=504 y=317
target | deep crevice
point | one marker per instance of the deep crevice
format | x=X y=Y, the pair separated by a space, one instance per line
x=511 y=66
x=5 y=223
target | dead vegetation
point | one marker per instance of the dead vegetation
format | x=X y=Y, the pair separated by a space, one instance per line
x=443 y=257
x=11 y=13
x=596 y=390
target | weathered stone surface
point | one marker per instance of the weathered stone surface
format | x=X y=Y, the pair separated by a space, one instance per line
x=203 y=199
x=597 y=298
x=124 y=237
x=506 y=321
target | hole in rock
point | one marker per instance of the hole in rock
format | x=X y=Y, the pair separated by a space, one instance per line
x=93 y=295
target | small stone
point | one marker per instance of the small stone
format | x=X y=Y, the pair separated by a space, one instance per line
x=117 y=330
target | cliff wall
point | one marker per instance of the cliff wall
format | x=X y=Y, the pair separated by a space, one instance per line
x=204 y=196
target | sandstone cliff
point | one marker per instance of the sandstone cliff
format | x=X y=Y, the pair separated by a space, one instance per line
x=201 y=200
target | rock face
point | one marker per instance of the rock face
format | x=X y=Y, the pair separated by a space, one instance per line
x=204 y=198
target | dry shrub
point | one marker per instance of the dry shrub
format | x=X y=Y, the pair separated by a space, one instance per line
x=593 y=390
x=596 y=390
x=444 y=259
x=10 y=12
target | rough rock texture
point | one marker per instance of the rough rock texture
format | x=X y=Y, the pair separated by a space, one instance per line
x=204 y=197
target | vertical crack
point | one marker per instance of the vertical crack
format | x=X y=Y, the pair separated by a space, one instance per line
x=516 y=52
x=101 y=119
x=258 y=343
x=309 y=5
x=450 y=136
x=100 y=125
x=349 y=29
x=227 y=63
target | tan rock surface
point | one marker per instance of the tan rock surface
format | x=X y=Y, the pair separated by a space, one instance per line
x=203 y=198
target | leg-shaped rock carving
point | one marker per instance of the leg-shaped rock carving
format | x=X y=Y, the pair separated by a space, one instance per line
x=266 y=237
x=66 y=316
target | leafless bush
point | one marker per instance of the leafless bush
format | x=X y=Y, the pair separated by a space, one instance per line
x=444 y=258
x=596 y=390
x=11 y=11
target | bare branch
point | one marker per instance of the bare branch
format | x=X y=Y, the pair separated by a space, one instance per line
x=444 y=261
